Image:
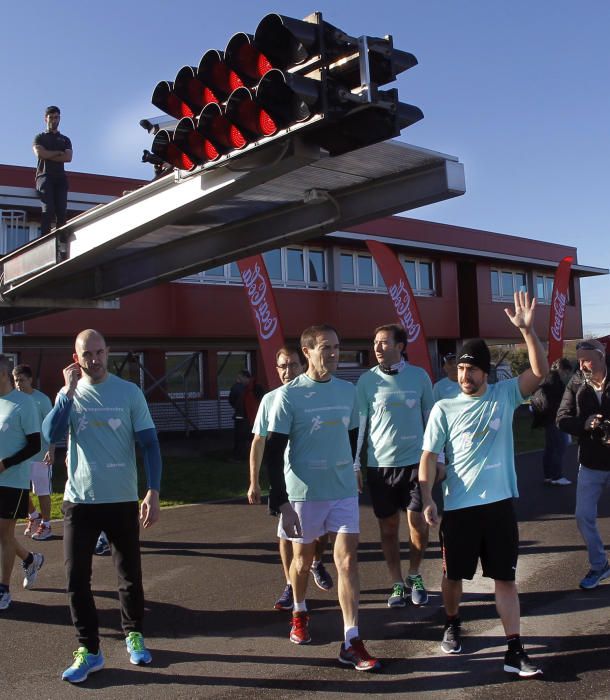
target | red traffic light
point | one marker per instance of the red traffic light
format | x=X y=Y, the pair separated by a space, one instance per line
x=219 y=80
x=247 y=62
x=167 y=101
x=216 y=128
x=163 y=146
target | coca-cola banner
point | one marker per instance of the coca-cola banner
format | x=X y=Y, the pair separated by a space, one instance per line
x=264 y=312
x=404 y=302
x=558 y=309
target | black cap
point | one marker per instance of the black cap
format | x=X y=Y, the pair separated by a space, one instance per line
x=475 y=352
x=51 y=109
x=449 y=356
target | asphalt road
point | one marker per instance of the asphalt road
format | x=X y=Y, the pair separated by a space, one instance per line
x=212 y=574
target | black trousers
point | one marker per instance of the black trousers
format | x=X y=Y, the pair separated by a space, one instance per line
x=53 y=193
x=83 y=523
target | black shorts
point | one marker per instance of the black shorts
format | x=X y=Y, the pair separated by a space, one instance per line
x=489 y=533
x=13 y=503
x=394 y=489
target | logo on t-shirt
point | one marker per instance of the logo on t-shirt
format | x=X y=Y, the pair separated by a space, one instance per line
x=316 y=424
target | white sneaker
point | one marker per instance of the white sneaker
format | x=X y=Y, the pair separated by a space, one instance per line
x=31 y=571
x=561 y=482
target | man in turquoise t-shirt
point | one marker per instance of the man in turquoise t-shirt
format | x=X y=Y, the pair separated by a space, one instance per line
x=475 y=432
x=316 y=417
x=39 y=523
x=19 y=442
x=289 y=364
x=394 y=400
x=447 y=387
x=104 y=416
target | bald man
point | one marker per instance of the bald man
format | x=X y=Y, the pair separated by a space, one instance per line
x=104 y=417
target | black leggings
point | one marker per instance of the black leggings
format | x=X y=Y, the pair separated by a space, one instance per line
x=83 y=523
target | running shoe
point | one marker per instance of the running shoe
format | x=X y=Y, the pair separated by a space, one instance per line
x=285 y=601
x=31 y=526
x=519 y=662
x=357 y=656
x=31 y=571
x=452 y=638
x=5 y=600
x=102 y=546
x=299 y=632
x=321 y=577
x=419 y=594
x=84 y=663
x=43 y=532
x=397 y=596
x=138 y=653
x=594 y=577
x=562 y=481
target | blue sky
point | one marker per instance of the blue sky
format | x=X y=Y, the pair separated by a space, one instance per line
x=518 y=90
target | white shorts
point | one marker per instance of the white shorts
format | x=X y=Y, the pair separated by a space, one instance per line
x=41 y=478
x=319 y=517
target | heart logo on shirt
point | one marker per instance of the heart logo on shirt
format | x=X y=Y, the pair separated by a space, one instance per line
x=114 y=423
x=345 y=420
x=495 y=423
x=410 y=402
x=4 y=427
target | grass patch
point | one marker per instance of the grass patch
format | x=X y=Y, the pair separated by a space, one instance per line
x=192 y=476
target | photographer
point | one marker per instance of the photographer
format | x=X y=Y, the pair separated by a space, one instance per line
x=584 y=412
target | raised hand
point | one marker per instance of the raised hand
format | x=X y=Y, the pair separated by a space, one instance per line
x=523 y=315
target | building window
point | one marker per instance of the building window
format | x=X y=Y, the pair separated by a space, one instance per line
x=544 y=289
x=229 y=365
x=420 y=274
x=297 y=266
x=127 y=365
x=504 y=283
x=351 y=358
x=360 y=273
x=183 y=374
x=15 y=230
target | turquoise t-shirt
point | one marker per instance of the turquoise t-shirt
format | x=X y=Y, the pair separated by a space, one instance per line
x=396 y=407
x=476 y=433
x=102 y=426
x=445 y=389
x=317 y=417
x=261 y=422
x=44 y=405
x=18 y=417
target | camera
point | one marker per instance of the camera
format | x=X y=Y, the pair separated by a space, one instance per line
x=603 y=432
x=148 y=157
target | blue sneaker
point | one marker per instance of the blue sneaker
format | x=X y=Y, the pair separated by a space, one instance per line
x=84 y=664
x=594 y=576
x=138 y=653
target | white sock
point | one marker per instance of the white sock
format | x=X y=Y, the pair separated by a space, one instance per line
x=34 y=515
x=350 y=633
x=300 y=607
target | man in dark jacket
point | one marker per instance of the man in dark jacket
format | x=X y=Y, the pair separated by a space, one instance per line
x=584 y=412
x=544 y=405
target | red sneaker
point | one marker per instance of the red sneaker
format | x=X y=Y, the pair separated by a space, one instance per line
x=358 y=657
x=299 y=632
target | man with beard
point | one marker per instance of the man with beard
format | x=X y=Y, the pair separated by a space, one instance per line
x=475 y=431
x=104 y=416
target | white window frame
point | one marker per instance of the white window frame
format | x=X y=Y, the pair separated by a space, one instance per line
x=188 y=394
x=550 y=278
x=140 y=357
x=307 y=282
x=418 y=289
x=248 y=365
x=378 y=286
x=506 y=296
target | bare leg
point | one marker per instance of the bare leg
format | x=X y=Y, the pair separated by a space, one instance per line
x=419 y=532
x=507 y=605
x=452 y=595
x=285 y=547
x=45 y=507
x=346 y=561
x=299 y=569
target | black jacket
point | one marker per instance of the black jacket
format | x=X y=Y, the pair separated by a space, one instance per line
x=578 y=403
x=546 y=400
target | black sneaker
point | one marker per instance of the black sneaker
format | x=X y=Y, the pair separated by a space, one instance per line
x=452 y=638
x=519 y=662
